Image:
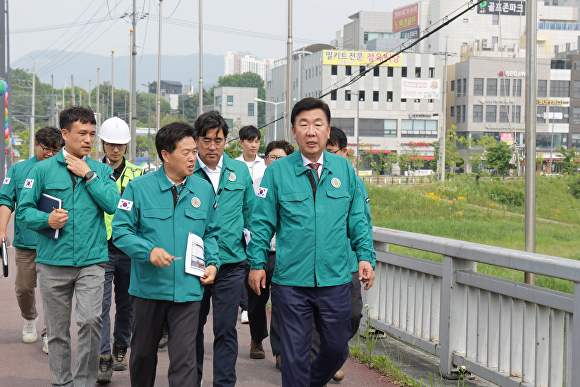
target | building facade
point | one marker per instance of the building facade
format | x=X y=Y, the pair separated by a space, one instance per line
x=238 y=64
x=237 y=105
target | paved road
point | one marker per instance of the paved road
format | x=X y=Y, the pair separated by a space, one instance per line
x=25 y=365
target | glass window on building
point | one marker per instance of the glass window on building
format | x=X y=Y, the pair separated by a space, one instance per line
x=495 y=19
x=347 y=95
x=464 y=113
x=542 y=88
x=417 y=72
x=458 y=91
x=576 y=89
x=403 y=100
x=494 y=135
x=503 y=113
x=544 y=140
x=376 y=71
x=458 y=114
x=576 y=115
x=491 y=86
x=477 y=86
x=333 y=95
x=491 y=113
x=346 y=124
x=333 y=70
x=419 y=128
x=540 y=110
x=559 y=89
x=361 y=95
x=375 y=96
x=431 y=72
x=477 y=113
x=494 y=40
x=361 y=69
x=575 y=141
x=390 y=71
x=371 y=128
x=230 y=122
x=390 y=128
x=464 y=87
x=403 y=72
x=452 y=111
x=516 y=114
x=218 y=100
x=504 y=87
x=389 y=96
x=452 y=85
x=517 y=92
x=347 y=70
x=251 y=109
x=565 y=114
x=230 y=100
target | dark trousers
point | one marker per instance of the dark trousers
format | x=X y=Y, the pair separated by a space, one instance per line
x=225 y=295
x=356 y=306
x=244 y=297
x=329 y=307
x=257 y=309
x=182 y=319
x=118 y=272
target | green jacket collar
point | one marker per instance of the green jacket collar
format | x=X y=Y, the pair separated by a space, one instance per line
x=165 y=184
x=299 y=168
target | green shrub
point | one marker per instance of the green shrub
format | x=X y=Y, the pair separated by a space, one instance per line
x=507 y=195
x=575 y=188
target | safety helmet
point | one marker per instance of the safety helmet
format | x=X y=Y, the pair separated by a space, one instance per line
x=115 y=131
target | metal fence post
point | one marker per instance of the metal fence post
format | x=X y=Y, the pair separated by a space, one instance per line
x=452 y=329
x=575 y=337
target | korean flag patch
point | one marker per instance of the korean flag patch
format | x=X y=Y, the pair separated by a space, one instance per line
x=6 y=181
x=28 y=183
x=262 y=192
x=126 y=205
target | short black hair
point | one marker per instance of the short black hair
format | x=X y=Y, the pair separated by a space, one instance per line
x=310 y=103
x=337 y=138
x=69 y=116
x=50 y=136
x=208 y=121
x=249 y=132
x=280 y=144
x=168 y=136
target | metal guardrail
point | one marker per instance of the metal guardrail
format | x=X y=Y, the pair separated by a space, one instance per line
x=507 y=332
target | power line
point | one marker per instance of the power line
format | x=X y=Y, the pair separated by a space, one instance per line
x=177 y=6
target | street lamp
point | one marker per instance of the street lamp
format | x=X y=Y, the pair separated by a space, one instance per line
x=148 y=127
x=357 y=128
x=273 y=103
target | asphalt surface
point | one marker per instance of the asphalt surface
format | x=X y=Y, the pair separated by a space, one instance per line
x=25 y=365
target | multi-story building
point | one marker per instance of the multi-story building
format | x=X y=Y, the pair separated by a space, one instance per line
x=237 y=104
x=390 y=121
x=170 y=91
x=238 y=64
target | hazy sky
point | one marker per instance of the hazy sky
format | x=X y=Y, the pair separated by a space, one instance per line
x=256 y=26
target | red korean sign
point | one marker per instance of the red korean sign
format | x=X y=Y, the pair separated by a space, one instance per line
x=406 y=17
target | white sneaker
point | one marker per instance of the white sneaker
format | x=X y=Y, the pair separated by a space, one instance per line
x=29 y=330
x=45 y=344
x=244 y=319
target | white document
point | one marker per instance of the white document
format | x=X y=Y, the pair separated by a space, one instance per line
x=195 y=258
x=247 y=236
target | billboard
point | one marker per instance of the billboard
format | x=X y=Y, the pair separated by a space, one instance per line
x=406 y=17
x=507 y=137
x=421 y=88
x=413 y=33
x=359 y=58
x=512 y=8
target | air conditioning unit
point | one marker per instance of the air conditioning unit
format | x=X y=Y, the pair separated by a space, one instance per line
x=484 y=43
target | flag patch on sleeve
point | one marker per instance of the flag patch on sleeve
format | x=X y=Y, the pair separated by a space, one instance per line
x=126 y=205
x=262 y=192
x=6 y=181
x=28 y=183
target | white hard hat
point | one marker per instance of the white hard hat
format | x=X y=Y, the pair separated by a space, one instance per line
x=115 y=131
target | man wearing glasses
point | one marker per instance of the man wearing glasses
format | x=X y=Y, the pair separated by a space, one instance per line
x=48 y=142
x=234 y=195
x=115 y=136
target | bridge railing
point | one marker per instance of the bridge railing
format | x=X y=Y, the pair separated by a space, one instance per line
x=507 y=332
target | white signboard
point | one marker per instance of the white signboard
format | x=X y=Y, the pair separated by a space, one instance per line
x=553 y=116
x=421 y=88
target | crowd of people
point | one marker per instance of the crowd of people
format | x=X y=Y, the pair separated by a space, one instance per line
x=203 y=232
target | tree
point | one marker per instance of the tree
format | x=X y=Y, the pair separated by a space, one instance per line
x=498 y=157
x=452 y=156
x=570 y=159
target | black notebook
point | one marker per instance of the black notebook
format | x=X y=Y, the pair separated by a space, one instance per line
x=4 y=258
x=47 y=204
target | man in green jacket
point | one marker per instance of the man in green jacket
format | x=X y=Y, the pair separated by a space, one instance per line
x=310 y=199
x=73 y=264
x=157 y=213
x=48 y=142
x=234 y=194
x=115 y=135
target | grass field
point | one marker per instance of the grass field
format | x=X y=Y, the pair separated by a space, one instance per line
x=478 y=212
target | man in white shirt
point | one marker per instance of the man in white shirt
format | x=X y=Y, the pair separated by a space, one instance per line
x=250 y=142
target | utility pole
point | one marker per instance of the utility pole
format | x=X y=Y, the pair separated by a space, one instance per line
x=9 y=80
x=200 y=94
x=72 y=90
x=288 y=124
x=2 y=75
x=531 y=95
x=81 y=98
x=444 y=134
x=52 y=118
x=158 y=107
x=32 y=102
x=89 y=104
x=149 y=126
x=63 y=89
x=133 y=110
x=98 y=109
x=112 y=83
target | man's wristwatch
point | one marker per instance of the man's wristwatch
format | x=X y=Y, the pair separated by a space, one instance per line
x=89 y=175
x=211 y=264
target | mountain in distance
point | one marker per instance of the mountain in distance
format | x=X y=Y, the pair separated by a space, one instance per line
x=84 y=65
